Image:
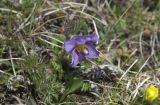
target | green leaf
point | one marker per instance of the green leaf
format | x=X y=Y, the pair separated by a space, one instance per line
x=86 y=87
x=121 y=26
x=72 y=86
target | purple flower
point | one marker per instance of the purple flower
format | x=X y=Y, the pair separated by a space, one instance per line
x=82 y=47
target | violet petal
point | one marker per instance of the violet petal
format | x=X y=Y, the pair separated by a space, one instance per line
x=92 y=52
x=69 y=46
x=92 y=38
x=81 y=56
x=75 y=58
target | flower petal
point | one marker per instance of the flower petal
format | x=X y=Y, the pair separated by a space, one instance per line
x=69 y=45
x=75 y=58
x=80 y=39
x=92 y=52
x=92 y=38
x=81 y=56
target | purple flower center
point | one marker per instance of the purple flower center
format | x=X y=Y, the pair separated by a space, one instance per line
x=81 y=48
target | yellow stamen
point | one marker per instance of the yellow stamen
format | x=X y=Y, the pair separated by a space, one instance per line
x=81 y=48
